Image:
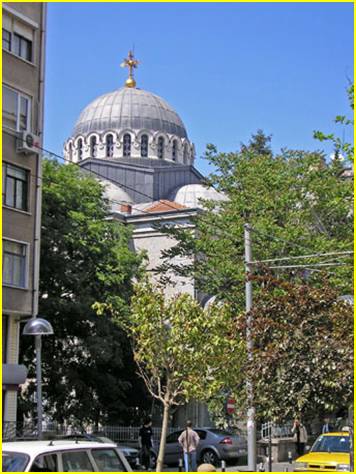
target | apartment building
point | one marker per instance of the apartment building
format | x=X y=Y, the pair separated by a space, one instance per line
x=23 y=49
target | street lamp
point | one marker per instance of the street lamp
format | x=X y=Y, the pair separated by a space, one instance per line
x=38 y=327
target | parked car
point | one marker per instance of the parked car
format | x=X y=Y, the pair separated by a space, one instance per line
x=329 y=453
x=132 y=455
x=62 y=456
x=215 y=445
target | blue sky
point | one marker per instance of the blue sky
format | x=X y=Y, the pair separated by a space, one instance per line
x=226 y=68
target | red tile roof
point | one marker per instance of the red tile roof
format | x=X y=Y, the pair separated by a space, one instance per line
x=164 y=206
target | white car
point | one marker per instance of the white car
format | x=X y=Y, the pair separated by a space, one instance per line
x=62 y=456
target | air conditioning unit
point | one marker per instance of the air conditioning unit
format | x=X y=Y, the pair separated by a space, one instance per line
x=27 y=142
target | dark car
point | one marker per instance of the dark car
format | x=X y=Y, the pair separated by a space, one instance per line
x=215 y=445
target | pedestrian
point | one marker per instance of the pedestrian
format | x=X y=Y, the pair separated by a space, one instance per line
x=327 y=426
x=189 y=440
x=300 y=436
x=145 y=441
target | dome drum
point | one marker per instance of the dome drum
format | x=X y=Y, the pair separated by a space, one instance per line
x=110 y=144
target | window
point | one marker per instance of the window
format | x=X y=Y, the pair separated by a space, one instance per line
x=174 y=150
x=185 y=154
x=15 y=187
x=16 y=109
x=93 y=147
x=6 y=39
x=70 y=151
x=144 y=146
x=22 y=47
x=160 y=148
x=127 y=145
x=173 y=437
x=5 y=330
x=14 y=263
x=109 y=146
x=80 y=149
x=108 y=460
x=45 y=462
x=76 y=461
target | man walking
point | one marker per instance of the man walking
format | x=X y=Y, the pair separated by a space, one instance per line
x=189 y=440
x=327 y=427
x=145 y=442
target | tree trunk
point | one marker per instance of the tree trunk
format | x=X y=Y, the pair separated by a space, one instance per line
x=162 y=445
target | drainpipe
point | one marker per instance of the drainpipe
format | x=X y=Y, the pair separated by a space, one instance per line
x=38 y=192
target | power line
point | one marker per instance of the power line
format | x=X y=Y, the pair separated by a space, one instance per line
x=302 y=257
x=331 y=264
x=113 y=201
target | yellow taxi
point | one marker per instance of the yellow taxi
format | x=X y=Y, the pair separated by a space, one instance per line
x=329 y=453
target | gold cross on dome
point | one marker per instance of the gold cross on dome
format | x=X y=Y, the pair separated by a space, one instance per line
x=131 y=63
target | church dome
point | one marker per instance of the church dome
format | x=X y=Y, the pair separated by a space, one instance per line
x=129 y=108
x=190 y=195
x=130 y=123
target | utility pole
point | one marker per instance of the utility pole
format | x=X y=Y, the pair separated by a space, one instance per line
x=251 y=424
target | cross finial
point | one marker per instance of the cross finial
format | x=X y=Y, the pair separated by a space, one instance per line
x=131 y=63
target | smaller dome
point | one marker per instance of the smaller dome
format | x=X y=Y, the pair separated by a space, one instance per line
x=115 y=194
x=191 y=194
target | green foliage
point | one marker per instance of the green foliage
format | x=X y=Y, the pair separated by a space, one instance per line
x=179 y=347
x=303 y=350
x=340 y=146
x=88 y=368
x=297 y=205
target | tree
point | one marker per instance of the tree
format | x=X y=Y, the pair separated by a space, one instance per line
x=297 y=205
x=303 y=350
x=180 y=349
x=88 y=368
x=340 y=145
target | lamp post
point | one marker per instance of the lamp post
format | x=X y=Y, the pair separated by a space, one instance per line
x=38 y=327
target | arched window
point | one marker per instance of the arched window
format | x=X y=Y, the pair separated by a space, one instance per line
x=174 y=150
x=127 y=145
x=93 y=147
x=144 y=146
x=160 y=148
x=185 y=154
x=109 y=146
x=70 y=152
x=80 y=149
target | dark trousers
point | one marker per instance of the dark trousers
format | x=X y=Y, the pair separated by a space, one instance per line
x=146 y=457
x=300 y=448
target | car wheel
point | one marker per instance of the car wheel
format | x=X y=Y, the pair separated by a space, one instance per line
x=210 y=457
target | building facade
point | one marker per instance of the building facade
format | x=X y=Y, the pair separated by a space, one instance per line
x=23 y=47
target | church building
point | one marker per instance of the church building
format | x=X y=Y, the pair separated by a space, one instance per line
x=138 y=147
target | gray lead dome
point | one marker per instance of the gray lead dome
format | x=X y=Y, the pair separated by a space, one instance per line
x=129 y=108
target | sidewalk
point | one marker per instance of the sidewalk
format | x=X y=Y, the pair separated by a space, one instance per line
x=276 y=467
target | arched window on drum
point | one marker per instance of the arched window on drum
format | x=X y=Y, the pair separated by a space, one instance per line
x=144 y=146
x=174 y=150
x=127 y=145
x=160 y=148
x=80 y=149
x=185 y=154
x=93 y=147
x=109 y=146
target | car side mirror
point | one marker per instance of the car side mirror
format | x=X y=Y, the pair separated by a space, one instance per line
x=307 y=448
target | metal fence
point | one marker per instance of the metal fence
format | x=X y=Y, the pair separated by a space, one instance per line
x=275 y=430
x=119 y=434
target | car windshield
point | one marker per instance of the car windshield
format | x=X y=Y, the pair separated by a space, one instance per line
x=331 y=444
x=14 y=462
